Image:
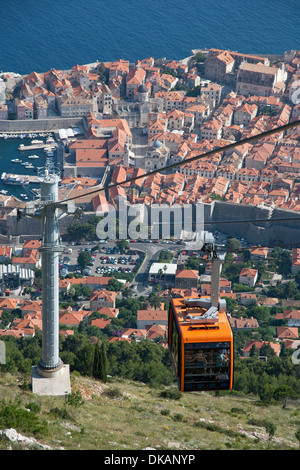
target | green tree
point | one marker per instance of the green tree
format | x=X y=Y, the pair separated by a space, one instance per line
x=233 y=244
x=127 y=292
x=154 y=300
x=85 y=359
x=100 y=362
x=165 y=256
x=270 y=429
x=84 y=259
x=266 y=393
x=122 y=245
x=283 y=393
x=199 y=57
x=114 y=285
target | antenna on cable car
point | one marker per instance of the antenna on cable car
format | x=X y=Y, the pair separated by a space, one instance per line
x=205 y=242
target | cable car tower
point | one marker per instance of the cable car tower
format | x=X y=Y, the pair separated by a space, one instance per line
x=50 y=376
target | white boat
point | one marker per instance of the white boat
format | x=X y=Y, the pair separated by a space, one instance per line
x=36 y=141
x=14 y=180
x=16 y=160
x=3 y=191
x=32 y=157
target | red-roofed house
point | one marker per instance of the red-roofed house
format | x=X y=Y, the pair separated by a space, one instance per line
x=102 y=298
x=146 y=318
x=292 y=316
x=5 y=253
x=30 y=245
x=243 y=323
x=186 y=278
x=134 y=334
x=101 y=322
x=27 y=262
x=287 y=332
x=8 y=303
x=248 y=276
x=249 y=344
x=109 y=311
x=259 y=253
x=72 y=318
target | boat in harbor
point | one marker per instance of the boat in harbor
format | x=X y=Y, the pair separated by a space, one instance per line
x=16 y=160
x=36 y=141
x=32 y=157
x=14 y=180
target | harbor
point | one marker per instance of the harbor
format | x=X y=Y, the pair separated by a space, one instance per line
x=19 y=169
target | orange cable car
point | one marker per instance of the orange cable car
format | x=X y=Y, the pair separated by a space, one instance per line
x=200 y=340
x=202 y=353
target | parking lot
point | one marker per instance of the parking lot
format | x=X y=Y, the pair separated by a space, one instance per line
x=105 y=260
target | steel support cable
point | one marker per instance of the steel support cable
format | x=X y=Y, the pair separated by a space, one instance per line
x=189 y=160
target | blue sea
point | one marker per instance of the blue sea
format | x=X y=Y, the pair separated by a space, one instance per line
x=38 y=35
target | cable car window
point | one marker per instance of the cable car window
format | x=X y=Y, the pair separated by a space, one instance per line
x=207 y=366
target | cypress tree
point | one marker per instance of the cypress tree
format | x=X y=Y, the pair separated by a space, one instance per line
x=103 y=358
x=96 y=363
x=100 y=363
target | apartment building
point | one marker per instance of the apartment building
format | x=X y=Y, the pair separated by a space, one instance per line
x=73 y=106
x=24 y=109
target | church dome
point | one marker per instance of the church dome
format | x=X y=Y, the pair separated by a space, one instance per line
x=157 y=144
x=142 y=89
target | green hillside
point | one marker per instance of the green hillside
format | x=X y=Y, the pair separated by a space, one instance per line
x=127 y=415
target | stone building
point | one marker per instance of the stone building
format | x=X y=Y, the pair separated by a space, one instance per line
x=157 y=156
x=258 y=79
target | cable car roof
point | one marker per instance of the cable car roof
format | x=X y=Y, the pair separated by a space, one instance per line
x=194 y=326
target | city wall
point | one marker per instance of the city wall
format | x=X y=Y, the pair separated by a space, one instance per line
x=257 y=233
x=38 y=125
x=263 y=233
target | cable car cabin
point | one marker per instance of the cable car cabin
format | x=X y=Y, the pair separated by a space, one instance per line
x=201 y=344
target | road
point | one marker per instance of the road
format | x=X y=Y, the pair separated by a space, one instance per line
x=151 y=249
